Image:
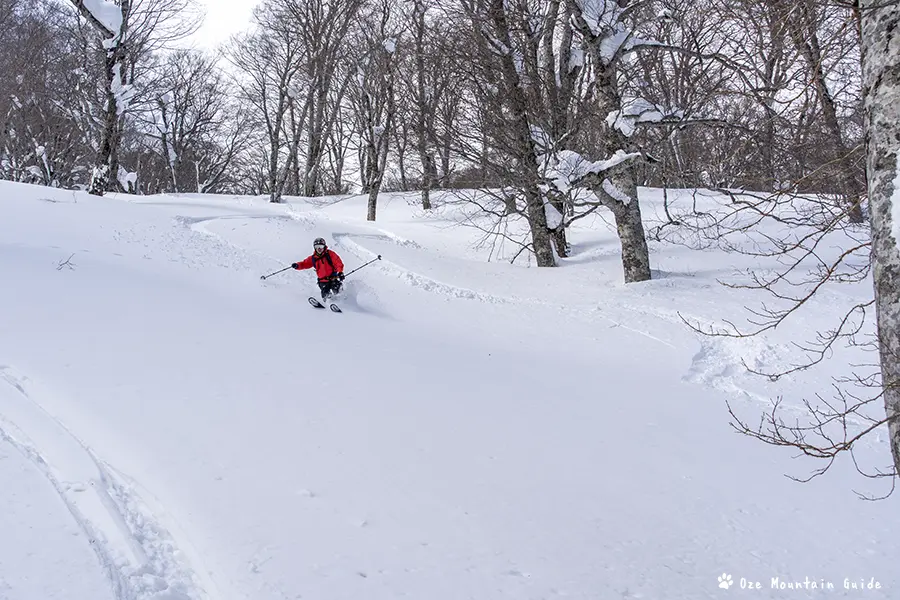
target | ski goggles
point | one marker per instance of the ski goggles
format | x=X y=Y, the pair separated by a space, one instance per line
x=319 y=247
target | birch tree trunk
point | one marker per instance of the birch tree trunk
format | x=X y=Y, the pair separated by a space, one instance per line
x=421 y=100
x=773 y=83
x=274 y=147
x=880 y=29
x=316 y=144
x=380 y=160
x=379 y=145
x=618 y=191
x=114 y=67
x=293 y=154
x=635 y=252
x=521 y=142
x=167 y=143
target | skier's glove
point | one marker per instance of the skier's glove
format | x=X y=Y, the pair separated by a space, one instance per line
x=340 y=276
x=295 y=265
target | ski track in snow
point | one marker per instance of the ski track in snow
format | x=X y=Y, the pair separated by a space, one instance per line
x=428 y=284
x=137 y=555
x=414 y=279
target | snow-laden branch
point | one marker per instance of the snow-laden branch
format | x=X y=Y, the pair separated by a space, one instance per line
x=566 y=170
x=601 y=16
x=602 y=22
x=638 y=111
x=122 y=91
x=105 y=15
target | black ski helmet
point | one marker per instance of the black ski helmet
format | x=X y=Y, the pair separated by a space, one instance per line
x=319 y=242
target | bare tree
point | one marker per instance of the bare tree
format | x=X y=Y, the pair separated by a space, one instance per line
x=321 y=27
x=570 y=92
x=112 y=31
x=373 y=95
x=196 y=131
x=804 y=20
x=126 y=34
x=338 y=145
x=39 y=141
x=502 y=94
x=268 y=62
x=423 y=100
x=818 y=247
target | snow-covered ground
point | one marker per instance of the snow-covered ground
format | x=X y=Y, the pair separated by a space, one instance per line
x=172 y=427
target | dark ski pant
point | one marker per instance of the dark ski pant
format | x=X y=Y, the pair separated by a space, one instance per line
x=329 y=287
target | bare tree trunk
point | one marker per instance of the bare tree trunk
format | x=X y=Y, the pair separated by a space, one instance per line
x=275 y=148
x=568 y=77
x=373 y=204
x=558 y=79
x=805 y=34
x=275 y=187
x=114 y=183
x=444 y=180
x=522 y=143
x=375 y=187
x=401 y=164
x=425 y=156
x=114 y=66
x=483 y=161
x=559 y=233
x=618 y=191
x=880 y=22
x=774 y=84
x=101 y=177
x=274 y=196
x=379 y=154
x=548 y=65
x=316 y=144
x=167 y=143
x=401 y=143
x=337 y=151
x=292 y=169
x=378 y=157
x=320 y=27
x=635 y=253
x=293 y=153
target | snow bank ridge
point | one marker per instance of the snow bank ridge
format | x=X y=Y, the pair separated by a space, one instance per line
x=412 y=278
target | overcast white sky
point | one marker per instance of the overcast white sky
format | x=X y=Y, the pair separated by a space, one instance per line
x=223 y=18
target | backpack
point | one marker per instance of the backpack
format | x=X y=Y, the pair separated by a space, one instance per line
x=315 y=259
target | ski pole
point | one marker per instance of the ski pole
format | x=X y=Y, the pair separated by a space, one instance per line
x=365 y=265
x=275 y=273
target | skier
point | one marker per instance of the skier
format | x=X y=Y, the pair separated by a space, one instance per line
x=328 y=265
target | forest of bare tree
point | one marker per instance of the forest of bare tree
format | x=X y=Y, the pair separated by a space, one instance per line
x=521 y=98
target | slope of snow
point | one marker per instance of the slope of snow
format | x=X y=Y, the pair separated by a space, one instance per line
x=465 y=429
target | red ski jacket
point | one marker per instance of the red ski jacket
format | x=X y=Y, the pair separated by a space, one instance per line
x=326 y=265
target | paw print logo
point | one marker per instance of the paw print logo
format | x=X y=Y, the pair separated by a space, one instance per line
x=725 y=581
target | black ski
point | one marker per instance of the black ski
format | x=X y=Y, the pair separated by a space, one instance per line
x=316 y=304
